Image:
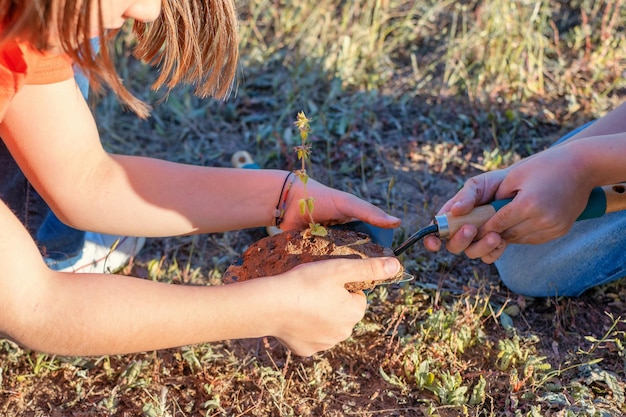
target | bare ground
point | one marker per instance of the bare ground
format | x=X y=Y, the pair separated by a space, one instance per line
x=408 y=156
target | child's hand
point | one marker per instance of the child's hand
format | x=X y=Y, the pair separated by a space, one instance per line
x=477 y=191
x=312 y=309
x=550 y=190
x=333 y=207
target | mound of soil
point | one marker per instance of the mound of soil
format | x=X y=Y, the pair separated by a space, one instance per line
x=279 y=253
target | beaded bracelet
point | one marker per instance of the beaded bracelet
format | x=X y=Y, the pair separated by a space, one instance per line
x=279 y=211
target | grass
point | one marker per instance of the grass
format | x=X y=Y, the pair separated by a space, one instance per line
x=407 y=99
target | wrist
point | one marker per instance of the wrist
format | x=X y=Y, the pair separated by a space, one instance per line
x=593 y=160
x=281 y=204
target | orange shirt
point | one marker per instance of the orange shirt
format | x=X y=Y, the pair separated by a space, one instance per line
x=20 y=64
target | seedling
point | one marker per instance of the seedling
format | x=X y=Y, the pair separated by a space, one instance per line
x=304 y=151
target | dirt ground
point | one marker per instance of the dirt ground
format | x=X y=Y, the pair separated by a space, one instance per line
x=409 y=165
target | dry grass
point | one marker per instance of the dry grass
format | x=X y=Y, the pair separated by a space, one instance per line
x=408 y=98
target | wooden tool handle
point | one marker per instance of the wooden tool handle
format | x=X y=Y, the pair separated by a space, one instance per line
x=448 y=224
x=606 y=199
x=615 y=197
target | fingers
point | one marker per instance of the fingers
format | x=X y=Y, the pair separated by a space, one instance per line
x=526 y=224
x=493 y=256
x=432 y=243
x=505 y=218
x=382 y=268
x=337 y=207
x=350 y=270
x=334 y=206
x=322 y=312
x=355 y=208
x=476 y=191
x=462 y=239
x=457 y=243
x=488 y=248
x=369 y=269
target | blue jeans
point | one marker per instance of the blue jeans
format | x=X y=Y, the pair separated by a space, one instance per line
x=55 y=240
x=592 y=253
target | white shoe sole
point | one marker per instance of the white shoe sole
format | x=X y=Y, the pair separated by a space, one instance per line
x=105 y=254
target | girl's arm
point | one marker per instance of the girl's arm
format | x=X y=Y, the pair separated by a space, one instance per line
x=307 y=308
x=52 y=135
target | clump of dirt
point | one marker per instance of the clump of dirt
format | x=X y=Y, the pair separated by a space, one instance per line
x=279 y=253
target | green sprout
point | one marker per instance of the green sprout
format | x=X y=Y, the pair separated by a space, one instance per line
x=304 y=151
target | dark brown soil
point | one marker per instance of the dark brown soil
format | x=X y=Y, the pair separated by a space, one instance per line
x=279 y=253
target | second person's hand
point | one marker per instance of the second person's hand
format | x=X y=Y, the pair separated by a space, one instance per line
x=549 y=191
x=477 y=191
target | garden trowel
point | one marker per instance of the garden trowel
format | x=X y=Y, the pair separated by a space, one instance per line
x=606 y=199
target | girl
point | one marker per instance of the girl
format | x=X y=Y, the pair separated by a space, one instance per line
x=49 y=130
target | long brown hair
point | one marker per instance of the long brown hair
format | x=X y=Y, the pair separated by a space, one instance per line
x=192 y=41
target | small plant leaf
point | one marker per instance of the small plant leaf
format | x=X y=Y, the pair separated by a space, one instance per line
x=302 y=203
x=318 y=230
